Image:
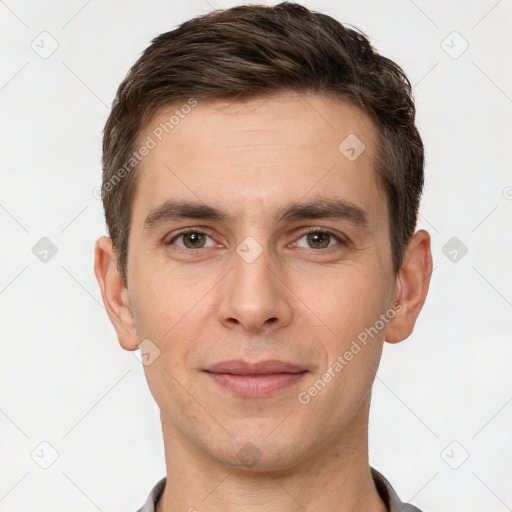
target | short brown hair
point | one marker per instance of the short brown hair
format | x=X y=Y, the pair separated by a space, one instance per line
x=255 y=50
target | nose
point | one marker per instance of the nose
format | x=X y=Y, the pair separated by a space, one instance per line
x=255 y=296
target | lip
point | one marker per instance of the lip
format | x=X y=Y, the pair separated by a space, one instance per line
x=241 y=367
x=253 y=380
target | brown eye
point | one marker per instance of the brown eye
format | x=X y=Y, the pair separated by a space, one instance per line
x=318 y=239
x=192 y=240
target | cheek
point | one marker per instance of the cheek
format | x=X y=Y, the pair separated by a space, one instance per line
x=170 y=311
x=347 y=301
x=164 y=314
x=351 y=308
x=154 y=312
x=162 y=296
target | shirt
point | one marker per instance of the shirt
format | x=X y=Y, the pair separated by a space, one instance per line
x=386 y=492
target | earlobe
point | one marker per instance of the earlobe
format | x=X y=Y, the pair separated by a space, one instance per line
x=114 y=293
x=411 y=287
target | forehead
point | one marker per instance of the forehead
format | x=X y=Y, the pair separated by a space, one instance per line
x=258 y=153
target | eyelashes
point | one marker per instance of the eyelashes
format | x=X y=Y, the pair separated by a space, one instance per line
x=311 y=233
x=194 y=239
x=200 y=236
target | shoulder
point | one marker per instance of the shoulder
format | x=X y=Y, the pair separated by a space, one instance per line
x=154 y=496
x=389 y=495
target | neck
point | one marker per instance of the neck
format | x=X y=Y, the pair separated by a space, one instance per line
x=336 y=478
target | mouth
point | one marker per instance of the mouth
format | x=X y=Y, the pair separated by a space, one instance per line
x=255 y=380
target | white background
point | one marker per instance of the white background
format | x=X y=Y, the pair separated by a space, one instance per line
x=64 y=379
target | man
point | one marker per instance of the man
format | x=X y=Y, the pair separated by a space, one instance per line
x=262 y=176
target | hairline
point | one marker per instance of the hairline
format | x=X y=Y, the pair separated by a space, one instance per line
x=151 y=112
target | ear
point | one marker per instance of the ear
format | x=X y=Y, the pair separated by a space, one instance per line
x=412 y=284
x=114 y=293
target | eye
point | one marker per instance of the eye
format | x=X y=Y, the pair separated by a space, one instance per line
x=193 y=239
x=319 y=239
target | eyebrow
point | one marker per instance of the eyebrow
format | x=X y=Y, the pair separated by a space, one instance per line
x=325 y=207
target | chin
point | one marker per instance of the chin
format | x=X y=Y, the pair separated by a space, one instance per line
x=256 y=454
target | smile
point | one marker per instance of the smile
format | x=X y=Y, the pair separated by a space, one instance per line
x=255 y=380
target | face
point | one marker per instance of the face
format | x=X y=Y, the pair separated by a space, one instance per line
x=259 y=255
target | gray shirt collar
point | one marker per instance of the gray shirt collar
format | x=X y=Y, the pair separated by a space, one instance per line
x=386 y=492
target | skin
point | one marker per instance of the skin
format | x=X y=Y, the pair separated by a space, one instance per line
x=298 y=301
